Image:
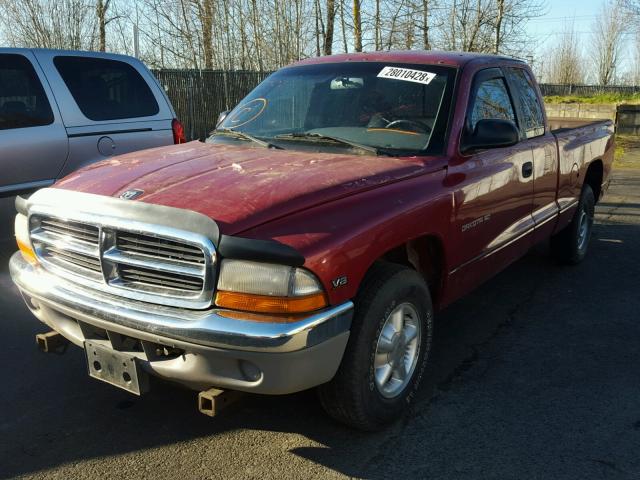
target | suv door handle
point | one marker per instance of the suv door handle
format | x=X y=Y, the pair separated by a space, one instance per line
x=527 y=169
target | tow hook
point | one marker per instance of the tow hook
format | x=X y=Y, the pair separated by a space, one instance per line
x=52 y=342
x=211 y=402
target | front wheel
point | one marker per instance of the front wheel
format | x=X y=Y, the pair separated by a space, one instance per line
x=570 y=245
x=387 y=351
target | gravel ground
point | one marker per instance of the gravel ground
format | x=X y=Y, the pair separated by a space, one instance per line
x=535 y=375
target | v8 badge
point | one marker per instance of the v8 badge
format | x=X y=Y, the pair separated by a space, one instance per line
x=340 y=281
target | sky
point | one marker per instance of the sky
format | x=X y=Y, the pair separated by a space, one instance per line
x=548 y=28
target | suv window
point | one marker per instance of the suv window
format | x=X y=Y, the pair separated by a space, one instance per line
x=106 y=89
x=492 y=101
x=23 y=102
x=531 y=110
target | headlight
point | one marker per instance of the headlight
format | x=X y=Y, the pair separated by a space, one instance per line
x=22 y=238
x=264 y=287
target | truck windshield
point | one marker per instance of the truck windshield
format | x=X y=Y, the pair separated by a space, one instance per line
x=372 y=106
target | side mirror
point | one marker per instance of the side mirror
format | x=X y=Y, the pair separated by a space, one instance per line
x=221 y=117
x=491 y=133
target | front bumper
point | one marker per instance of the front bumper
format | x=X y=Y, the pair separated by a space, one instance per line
x=199 y=349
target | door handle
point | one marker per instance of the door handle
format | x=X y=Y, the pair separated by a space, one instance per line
x=527 y=169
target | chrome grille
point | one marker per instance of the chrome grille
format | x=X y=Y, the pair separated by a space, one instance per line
x=69 y=245
x=78 y=231
x=158 y=248
x=73 y=258
x=153 y=278
x=136 y=264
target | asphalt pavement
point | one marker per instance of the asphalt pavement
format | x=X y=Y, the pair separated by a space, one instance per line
x=534 y=375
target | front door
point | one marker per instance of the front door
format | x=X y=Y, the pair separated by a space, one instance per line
x=492 y=220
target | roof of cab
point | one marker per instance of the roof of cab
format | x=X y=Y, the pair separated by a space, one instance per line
x=454 y=59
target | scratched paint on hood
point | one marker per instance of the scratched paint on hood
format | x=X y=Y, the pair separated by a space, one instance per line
x=239 y=186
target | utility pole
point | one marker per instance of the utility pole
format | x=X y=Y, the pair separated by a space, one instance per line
x=136 y=41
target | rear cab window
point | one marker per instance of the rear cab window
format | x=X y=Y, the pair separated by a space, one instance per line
x=106 y=89
x=531 y=110
x=23 y=102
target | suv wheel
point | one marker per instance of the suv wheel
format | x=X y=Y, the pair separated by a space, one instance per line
x=387 y=351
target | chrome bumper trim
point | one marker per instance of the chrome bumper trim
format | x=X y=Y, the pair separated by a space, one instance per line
x=208 y=327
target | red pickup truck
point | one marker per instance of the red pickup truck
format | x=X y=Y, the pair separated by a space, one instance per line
x=310 y=241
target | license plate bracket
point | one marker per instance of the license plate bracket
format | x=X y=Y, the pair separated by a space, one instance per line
x=119 y=369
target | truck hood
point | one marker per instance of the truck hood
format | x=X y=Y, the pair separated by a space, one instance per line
x=240 y=187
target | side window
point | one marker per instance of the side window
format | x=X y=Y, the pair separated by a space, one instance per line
x=106 y=89
x=23 y=102
x=531 y=110
x=492 y=102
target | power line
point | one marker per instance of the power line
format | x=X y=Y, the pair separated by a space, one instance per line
x=578 y=32
x=566 y=18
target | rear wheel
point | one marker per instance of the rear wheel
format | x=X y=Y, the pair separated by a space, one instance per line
x=571 y=244
x=387 y=350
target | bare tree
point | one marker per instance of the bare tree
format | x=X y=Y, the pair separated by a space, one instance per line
x=425 y=25
x=378 y=26
x=205 y=16
x=102 y=6
x=343 y=27
x=565 y=60
x=607 y=33
x=357 y=25
x=328 y=38
x=319 y=26
x=102 y=9
x=634 y=73
x=66 y=24
x=511 y=19
x=265 y=34
x=469 y=25
x=498 y=27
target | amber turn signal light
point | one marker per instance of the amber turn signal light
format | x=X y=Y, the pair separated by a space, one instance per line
x=27 y=252
x=267 y=304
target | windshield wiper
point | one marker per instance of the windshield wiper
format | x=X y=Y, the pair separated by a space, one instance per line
x=320 y=136
x=246 y=136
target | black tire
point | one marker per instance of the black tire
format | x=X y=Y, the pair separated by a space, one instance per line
x=571 y=244
x=352 y=396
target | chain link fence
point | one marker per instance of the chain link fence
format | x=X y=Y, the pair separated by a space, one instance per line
x=198 y=96
x=549 y=89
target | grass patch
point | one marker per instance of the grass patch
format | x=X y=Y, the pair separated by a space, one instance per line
x=600 y=98
x=619 y=151
x=627 y=153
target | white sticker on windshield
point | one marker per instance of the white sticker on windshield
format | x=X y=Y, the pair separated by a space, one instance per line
x=406 y=74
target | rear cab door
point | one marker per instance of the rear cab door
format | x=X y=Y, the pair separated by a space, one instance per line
x=543 y=146
x=33 y=140
x=110 y=104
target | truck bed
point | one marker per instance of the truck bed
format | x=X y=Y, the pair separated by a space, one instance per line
x=564 y=124
x=580 y=142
